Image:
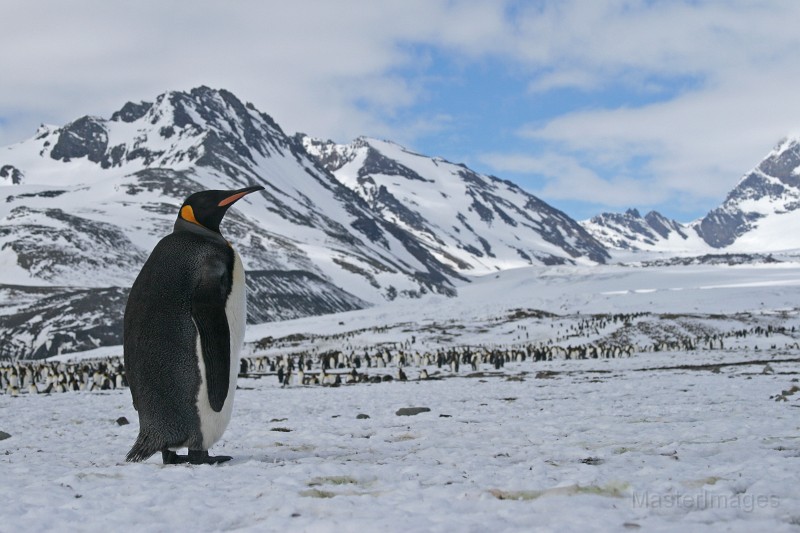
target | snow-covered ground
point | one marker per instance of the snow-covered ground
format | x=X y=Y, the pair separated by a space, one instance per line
x=588 y=446
x=676 y=440
x=734 y=296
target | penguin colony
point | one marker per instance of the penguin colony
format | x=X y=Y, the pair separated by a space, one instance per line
x=340 y=368
x=42 y=377
x=183 y=329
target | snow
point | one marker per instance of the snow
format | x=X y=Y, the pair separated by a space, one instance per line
x=570 y=291
x=451 y=227
x=299 y=231
x=13 y=274
x=679 y=438
x=613 y=234
x=596 y=447
x=773 y=233
x=701 y=439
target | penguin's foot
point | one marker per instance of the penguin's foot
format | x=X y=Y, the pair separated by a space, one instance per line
x=171 y=458
x=201 y=457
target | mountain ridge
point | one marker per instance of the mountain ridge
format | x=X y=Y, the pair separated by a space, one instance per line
x=394 y=181
x=339 y=226
x=752 y=219
x=82 y=205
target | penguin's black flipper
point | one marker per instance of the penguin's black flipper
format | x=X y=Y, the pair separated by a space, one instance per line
x=208 y=312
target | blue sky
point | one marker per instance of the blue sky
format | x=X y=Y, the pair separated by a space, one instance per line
x=593 y=106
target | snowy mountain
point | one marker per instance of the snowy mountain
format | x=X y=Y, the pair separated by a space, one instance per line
x=762 y=211
x=339 y=226
x=82 y=205
x=653 y=232
x=757 y=216
x=474 y=223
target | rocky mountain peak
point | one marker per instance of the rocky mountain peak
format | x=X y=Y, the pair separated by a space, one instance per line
x=753 y=217
x=771 y=189
x=330 y=155
x=632 y=231
x=472 y=222
x=783 y=162
x=84 y=137
x=204 y=126
x=86 y=202
x=665 y=226
x=131 y=112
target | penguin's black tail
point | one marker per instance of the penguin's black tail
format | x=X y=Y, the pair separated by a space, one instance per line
x=144 y=447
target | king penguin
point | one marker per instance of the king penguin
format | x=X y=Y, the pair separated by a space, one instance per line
x=183 y=329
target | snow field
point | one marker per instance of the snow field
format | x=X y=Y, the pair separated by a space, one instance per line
x=587 y=445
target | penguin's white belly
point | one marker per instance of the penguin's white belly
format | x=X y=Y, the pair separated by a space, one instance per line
x=213 y=423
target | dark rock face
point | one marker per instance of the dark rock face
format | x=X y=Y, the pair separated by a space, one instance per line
x=783 y=165
x=630 y=223
x=377 y=163
x=237 y=133
x=131 y=112
x=167 y=182
x=632 y=231
x=12 y=174
x=60 y=320
x=664 y=226
x=282 y=295
x=775 y=180
x=324 y=151
x=721 y=227
x=384 y=202
x=50 y=193
x=86 y=137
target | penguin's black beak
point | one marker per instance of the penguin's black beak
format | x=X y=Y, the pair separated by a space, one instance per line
x=236 y=195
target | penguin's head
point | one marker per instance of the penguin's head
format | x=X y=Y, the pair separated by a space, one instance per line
x=206 y=208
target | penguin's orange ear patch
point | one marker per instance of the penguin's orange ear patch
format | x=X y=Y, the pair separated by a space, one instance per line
x=187 y=213
x=230 y=199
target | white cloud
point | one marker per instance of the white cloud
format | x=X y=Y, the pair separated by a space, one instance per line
x=566 y=178
x=739 y=60
x=698 y=143
x=320 y=66
x=333 y=69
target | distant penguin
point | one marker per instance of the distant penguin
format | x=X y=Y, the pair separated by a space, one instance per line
x=183 y=329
